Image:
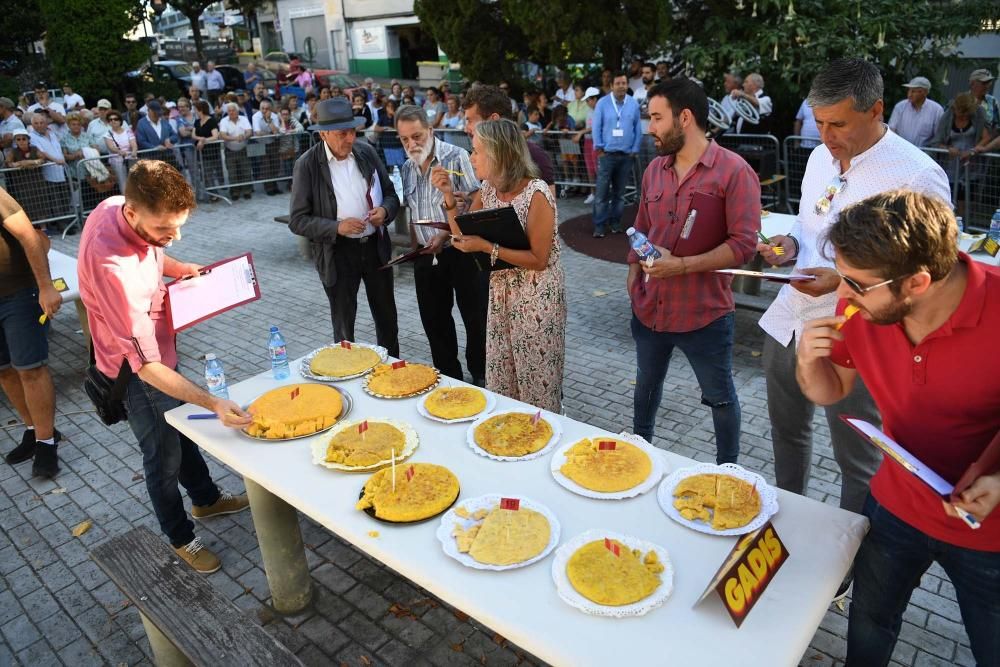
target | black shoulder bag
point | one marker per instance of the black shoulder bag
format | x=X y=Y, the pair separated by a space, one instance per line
x=106 y=394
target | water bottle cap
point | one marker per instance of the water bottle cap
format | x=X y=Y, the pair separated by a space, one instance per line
x=630 y=231
x=209 y=357
x=274 y=329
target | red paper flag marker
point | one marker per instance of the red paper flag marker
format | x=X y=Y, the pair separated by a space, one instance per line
x=612 y=547
x=513 y=504
x=534 y=420
x=410 y=472
x=606 y=445
x=295 y=393
x=398 y=364
x=345 y=344
x=363 y=426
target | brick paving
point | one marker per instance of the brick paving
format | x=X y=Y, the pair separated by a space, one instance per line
x=58 y=608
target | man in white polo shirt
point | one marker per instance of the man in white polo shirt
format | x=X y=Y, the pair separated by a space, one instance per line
x=859 y=158
x=916 y=118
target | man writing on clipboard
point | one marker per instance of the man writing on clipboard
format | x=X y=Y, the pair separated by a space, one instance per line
x=121 y=266
x=702 y=202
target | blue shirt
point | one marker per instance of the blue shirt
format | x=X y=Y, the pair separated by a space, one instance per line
x=609 y=115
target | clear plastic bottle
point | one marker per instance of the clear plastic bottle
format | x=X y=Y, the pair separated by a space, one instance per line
x=641 y=245
x=279 y=355
x=994 y=232
x=215 y=377
x=397 y=181
x=961 y=225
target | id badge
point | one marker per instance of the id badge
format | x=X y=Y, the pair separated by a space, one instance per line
x=618 y=132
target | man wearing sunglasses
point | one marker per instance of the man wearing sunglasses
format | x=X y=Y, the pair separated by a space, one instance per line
x=858 y=158
x=921 y=340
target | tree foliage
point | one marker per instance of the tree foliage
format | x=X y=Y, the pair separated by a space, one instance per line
x=488 y=36
x=789 y=41
x=192 y=10
x=86 y=46
x=21 y=25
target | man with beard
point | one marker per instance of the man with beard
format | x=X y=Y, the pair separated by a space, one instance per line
x=923 y=306
x=648 y=75
x=859 y=158
x=121 y=270
x=680 y=301
x=441 y=274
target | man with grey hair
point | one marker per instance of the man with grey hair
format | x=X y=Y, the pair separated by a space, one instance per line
x=731 y=83
x=198 y=79
x=213 y=82
x=441 y=274
x=858 y=158
x=753 y=92
x=916 y=118
x=8 y=123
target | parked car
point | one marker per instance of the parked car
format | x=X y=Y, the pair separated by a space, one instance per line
x=177 y=72
x=235 y=80
x=280 y=62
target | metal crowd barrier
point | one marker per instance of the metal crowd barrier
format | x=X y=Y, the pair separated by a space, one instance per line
x=763 y=153
x=233 y=168
x=43 y=199
x=796 y=155
x=981 y=197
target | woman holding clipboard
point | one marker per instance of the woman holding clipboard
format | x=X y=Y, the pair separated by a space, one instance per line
x=526 y=323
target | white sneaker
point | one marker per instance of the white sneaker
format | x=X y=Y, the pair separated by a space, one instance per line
x=589 y=199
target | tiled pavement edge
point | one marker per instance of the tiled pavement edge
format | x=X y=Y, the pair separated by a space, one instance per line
x=56 y=607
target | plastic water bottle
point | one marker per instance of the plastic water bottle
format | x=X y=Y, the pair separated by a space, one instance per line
x=961 y=225
x=397 y=181
x=994 y=232
x=641 y=245
x=279 y=355
x=215 y=377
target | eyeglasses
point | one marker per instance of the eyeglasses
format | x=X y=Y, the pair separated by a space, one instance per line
x=835 y=187
x=112 y=119
x=856 y=286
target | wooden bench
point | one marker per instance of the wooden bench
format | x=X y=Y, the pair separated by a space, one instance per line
x=186 y=620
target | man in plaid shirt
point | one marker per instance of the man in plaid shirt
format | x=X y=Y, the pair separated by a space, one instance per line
x=683 y=303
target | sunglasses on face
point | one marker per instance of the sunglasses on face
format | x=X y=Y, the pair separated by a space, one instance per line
x=858 y=289
x=112 y=119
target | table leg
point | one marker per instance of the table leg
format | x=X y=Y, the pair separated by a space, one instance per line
x=281 y=548
x=164 y=651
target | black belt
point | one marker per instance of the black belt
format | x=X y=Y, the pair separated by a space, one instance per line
x=350 y=240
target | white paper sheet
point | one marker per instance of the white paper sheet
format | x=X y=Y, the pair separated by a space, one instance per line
x=223 y=286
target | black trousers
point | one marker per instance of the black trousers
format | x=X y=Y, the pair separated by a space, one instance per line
x=455 y=278
x=356 y=261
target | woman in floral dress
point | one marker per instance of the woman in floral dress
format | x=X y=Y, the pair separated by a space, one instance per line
x=526 y=325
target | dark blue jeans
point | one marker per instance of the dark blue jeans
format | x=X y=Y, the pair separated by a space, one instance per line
x=893 y=557
x=167 y=458
x=612 y=176
x=710 y=353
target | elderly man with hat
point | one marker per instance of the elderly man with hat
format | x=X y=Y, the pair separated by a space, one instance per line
x=916 y=118
x=99 y=127
x=8 y=123
x=342 y=199
x=981 y=81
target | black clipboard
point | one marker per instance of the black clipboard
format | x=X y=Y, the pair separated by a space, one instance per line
x=496 y=225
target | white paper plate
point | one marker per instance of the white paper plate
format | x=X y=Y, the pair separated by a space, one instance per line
x=551 y=418
x=491 y=405
x=305 y=362
x=319 y=446
x=449 y=520
x=655 y=455
x=768 y=497
x=569 y=595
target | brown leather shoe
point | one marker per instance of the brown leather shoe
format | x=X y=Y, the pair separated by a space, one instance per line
x=195 y=554
x=226 y=504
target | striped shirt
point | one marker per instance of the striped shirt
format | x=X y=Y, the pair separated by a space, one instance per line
x=694 y=300
x=424 y=200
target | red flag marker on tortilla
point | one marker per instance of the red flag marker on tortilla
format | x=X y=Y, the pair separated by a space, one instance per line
x=513 y=504
x=398 y=364
x=534 y=420
x=607 y=445
x=345 y=344
x=410 y=472
x=295 y=393
x=612 y=547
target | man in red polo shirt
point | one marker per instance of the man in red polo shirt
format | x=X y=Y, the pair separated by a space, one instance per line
x=923 y=341
x=683 y=303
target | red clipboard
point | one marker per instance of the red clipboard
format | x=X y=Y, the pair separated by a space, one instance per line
x=705 y=227
x=221 y=286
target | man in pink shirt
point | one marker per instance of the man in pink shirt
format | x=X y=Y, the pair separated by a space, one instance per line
x=121 y=265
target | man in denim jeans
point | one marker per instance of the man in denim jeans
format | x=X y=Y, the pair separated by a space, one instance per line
x=617 y=132
x=922 y=335
x=121 y=267
x=678 y=300
x=27 y=300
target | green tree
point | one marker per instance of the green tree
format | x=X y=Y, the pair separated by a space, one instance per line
x=192 y=10
x=21 y=25
x=85 y=43
x=789 y=41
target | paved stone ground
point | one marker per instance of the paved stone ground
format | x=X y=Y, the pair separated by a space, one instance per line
x=56 y=607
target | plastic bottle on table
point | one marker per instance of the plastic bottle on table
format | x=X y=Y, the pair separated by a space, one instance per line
x=961 y=225
x=279 y=355
x=215 y=377
x=994 y=232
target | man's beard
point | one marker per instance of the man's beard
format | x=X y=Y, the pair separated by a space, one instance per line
x=670 y=143
x=419 y=154
x=893 y=313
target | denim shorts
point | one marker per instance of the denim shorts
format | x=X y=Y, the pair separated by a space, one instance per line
x=24 y=343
